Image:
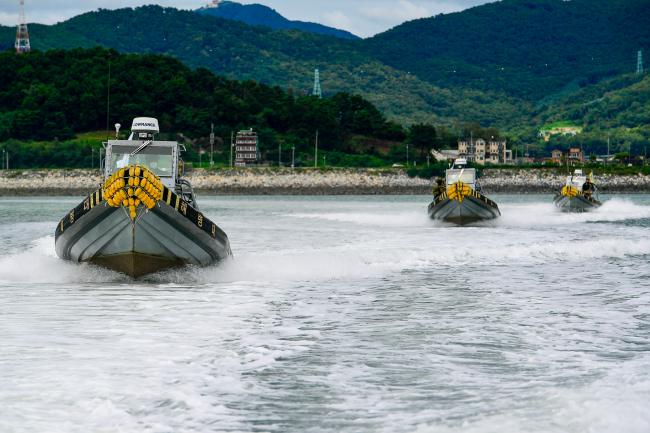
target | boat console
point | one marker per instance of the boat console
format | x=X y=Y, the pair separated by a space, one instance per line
x=460 y=173
x=163 y=158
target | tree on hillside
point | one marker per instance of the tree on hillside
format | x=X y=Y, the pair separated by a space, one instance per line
x=422 y=137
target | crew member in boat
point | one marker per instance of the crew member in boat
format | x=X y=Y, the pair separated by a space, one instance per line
x=439 y=188
x=588 y=188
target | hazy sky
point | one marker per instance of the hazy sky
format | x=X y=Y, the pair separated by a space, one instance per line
x=362 y=17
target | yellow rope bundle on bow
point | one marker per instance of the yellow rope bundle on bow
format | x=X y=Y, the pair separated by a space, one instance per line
x=458 y=191
x=569 y=191
x=131 y=187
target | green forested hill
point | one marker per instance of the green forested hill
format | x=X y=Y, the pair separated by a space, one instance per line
x=527 y=48
x=621 y=102
x=618 y=108
x=55 y=94
x=494 y=64
x=284 y=58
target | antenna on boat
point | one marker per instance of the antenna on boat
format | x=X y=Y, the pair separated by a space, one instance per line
x=108 y=98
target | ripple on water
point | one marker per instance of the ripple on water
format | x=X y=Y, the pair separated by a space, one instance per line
x=340 y=315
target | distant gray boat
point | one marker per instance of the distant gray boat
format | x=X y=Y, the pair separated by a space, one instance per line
x=145 y=218
x=459 y=201
x=579 y=194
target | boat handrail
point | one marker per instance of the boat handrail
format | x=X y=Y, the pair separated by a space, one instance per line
x=188 y=196
x=139 y=149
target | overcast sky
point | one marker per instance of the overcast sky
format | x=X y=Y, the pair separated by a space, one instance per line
x=361 y=17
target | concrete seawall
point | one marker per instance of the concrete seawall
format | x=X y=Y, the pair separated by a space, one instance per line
x=307 y=182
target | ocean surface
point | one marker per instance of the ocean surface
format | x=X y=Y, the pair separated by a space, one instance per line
x=337 y=314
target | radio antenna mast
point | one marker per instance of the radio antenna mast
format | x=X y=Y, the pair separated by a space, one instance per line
x=22 y=34
x=317 y=89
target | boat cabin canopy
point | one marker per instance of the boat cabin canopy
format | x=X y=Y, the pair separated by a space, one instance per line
x=576 y=180
x=141 y=148
x=161 y=157
x=465 y=175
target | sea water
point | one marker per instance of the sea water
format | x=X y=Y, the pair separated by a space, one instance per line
x=337 y=314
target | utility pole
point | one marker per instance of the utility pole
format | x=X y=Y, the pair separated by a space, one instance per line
x=316 y=151
x=629 y=151
x=212 y=145
x=407 y=154
x=108 y=99
x=280 y=154
x=22 y=44
x=232 y=144
x=293 y=156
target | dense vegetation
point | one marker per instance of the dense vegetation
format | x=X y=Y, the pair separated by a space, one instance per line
x=526 y=48
x=285 y=58
x=52 y=96
x=260 y=15
x=515 y=64
x=491 y=64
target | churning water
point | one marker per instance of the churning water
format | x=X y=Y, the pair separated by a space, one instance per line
x=337 y=315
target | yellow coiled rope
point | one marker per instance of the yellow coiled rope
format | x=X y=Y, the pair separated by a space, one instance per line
x=458 y=191
x=131 y=187
x=569 y=191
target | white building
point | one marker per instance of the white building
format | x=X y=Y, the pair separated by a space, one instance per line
x=483 y=152
x=245 y=148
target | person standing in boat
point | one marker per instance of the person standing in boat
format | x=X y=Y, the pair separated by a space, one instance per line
x=439 y=188
x=588 y=188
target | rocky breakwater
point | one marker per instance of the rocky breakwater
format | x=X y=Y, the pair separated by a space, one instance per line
x=49 y=182
x=535 y=181
x=307 y=181
x=264 y=181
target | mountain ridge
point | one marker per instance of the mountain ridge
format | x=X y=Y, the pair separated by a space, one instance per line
x=259 y=15
x=401 y=71
x=278 y=57
x=527 y=48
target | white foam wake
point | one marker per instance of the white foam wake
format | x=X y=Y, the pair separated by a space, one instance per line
x=39 y=264
x=546 y=214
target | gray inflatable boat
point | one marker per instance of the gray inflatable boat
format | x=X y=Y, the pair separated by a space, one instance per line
x=459 y=200
x=579 y=194
x=144 y=218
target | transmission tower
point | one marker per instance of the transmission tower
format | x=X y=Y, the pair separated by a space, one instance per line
x=639 y=63
x=22 y=34
x=317 y=90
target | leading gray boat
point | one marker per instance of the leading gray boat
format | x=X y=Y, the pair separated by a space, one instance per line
x=460 y=200
x=145 y=217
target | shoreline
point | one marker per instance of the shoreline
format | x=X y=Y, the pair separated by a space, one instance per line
x=264 y=181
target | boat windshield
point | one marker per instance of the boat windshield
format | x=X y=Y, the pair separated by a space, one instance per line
x=576 y=181
x=157 y=159
x=466 y=176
